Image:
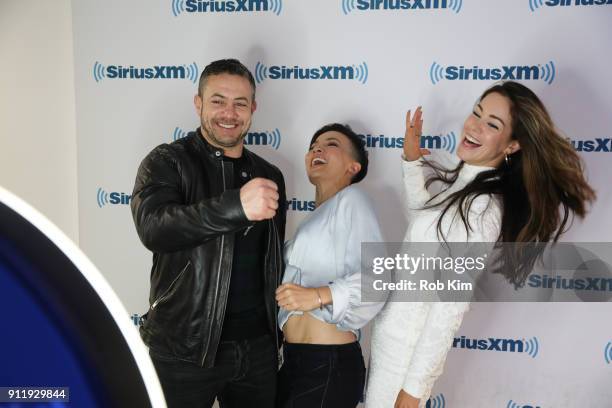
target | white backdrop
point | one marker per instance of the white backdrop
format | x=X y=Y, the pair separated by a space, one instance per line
x=382 y=61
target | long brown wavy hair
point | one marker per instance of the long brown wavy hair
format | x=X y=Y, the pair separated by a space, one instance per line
x=541 y=186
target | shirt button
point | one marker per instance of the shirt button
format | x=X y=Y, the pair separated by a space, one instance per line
x=243 y=174
x=217 y=153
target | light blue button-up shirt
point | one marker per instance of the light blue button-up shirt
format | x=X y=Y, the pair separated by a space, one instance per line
x=326 y=251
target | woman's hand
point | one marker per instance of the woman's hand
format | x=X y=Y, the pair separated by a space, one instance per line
x=290 y=296
x=412 y=137
x=405 y=400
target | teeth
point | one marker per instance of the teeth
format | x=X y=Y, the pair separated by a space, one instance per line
x=224 y=126
x=318 y=160
x=471 y=139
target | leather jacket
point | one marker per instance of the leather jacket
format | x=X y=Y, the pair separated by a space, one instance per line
x=186 y=211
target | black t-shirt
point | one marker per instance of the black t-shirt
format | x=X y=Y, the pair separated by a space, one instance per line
x=245 y=315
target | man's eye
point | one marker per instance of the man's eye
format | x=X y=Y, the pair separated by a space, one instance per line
x=217 y=102
x=476 y=114
x=494 y=126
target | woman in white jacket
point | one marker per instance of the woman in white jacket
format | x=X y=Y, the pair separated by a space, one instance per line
x=515 y=173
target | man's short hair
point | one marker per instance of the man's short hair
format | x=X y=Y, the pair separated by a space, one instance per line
x=225 y=66
x=360 y=154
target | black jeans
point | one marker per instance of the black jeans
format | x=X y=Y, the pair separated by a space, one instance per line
x=314 y=376
x=244 y=375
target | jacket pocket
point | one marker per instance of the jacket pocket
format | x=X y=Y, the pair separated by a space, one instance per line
x=171 y=289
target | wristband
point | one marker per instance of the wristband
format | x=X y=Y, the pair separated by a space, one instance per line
x=320 y=301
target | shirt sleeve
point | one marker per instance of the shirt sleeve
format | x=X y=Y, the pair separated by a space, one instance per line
x=415 y=193
x=354 y=222
x=444 y=318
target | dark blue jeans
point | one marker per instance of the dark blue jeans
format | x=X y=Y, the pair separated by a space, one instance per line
x=321 y=376
x=244 y=375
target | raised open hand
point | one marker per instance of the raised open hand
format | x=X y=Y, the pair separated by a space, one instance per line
x=412 y=137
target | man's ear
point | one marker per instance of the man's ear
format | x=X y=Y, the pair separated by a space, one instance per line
x=354 y=168
x=197 y=102
x=253 y=106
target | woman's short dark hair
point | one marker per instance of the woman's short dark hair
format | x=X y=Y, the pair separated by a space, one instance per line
x=360 y=154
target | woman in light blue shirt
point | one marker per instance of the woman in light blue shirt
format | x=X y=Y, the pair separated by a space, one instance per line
x=321 y=311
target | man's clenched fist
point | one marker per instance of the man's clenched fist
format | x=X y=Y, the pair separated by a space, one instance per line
x=259 y=198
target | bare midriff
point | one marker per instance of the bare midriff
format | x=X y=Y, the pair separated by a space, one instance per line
x=307 y=329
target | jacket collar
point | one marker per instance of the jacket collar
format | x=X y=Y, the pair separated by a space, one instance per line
x=213 y=151
x=469 y=172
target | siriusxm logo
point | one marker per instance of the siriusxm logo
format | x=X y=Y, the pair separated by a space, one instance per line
x=136 y=319
x=536 y=4
x=512 y=404
x=357 y=72
x=597 y=145
x=608 y=353
x=189 y=72
x=178 y=134
x=270 y=138
x=538 y=72
x=367 y=5
x=226 y=6
x=103 y=198
x=529 y=346
x=436 y=402
x=446 y=142
x=296 y=205
x=557 y=282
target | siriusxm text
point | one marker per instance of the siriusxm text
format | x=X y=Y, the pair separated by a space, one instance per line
x=593 y=145
x=461 y=73
x=390 y=142
x=229 y=6
x=321 y=72
x=553 y=3
x=490 y=344
x=557 y=282
x=401 y=4
x=256 y=138
x=300 y=205
x=155 y=72
x=119 y=198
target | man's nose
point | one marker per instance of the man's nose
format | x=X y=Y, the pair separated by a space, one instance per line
x=230 y=111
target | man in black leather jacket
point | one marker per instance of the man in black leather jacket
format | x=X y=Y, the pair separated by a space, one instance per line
x=213 y=214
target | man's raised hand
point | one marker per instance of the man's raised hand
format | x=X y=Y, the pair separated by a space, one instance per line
x=259 y=199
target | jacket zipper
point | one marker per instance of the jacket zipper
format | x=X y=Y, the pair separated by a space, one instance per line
x=167 y=292
x=273 y=232
x=218 y=278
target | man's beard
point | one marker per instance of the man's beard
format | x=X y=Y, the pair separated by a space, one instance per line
x=208 y=132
